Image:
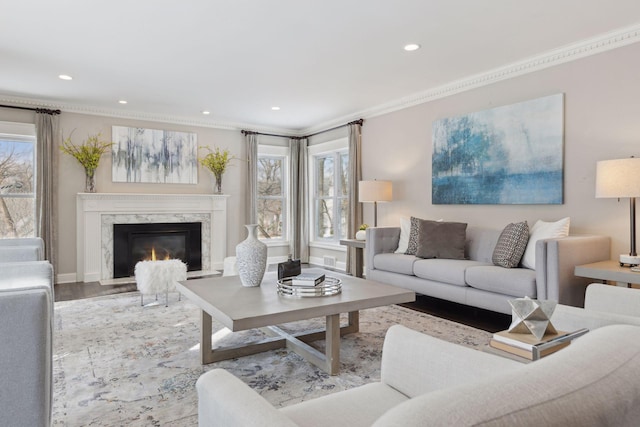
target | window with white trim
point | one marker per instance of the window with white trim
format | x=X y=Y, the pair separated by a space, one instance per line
x=17 y=179
x=330 y=191
x=273 y=186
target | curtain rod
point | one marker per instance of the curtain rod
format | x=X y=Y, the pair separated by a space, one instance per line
x=37 y=110
x=355 y=122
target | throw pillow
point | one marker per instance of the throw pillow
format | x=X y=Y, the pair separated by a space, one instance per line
x=412 y=244
x=543 y=230
x=511 y=245
x=405 y=229
x=444 y=240
x=414 y=227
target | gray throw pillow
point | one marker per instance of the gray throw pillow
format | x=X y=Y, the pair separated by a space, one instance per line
x=412 y=247
x=444 y=240
x=511 y=245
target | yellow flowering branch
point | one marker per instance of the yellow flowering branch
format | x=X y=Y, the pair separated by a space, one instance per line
x=216 y=161
x=88 y=153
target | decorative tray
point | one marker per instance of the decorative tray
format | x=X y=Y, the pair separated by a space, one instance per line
x=330 y=286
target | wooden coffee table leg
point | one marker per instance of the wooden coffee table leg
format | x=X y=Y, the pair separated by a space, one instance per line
x=354 y=323
x=205 y=337
x=332 y=351
x=330 y=361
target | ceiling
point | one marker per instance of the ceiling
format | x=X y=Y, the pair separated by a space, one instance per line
x=322 y=62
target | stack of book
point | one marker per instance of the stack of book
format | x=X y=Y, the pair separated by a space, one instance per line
x=308 y=279
x=524 y=345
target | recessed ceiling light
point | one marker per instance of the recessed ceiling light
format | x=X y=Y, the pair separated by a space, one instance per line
x=206 y=112
x=122 y=101
x=411 y=47
x=65 y=77
x=275 y=108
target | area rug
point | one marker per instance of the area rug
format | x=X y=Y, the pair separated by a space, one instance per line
x=119 y=364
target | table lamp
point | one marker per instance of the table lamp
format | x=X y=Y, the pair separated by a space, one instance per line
x=375 y=191
x=621 y=178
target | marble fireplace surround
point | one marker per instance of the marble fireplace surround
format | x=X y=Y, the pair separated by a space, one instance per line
x=97 y=212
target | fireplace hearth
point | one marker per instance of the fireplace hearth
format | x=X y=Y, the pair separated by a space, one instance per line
x=134 y=242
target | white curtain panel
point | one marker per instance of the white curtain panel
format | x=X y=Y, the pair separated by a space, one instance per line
x=48 y=140
x=354 y=218
x=252 y=177
x=299 y=197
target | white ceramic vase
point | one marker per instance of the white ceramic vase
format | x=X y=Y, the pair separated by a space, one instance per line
x=251 y=258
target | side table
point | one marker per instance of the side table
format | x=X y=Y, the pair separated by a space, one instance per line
x=608 y=270
x=359 y=246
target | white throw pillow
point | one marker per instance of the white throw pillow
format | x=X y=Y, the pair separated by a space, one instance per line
x=405 y=229
x=543 y=230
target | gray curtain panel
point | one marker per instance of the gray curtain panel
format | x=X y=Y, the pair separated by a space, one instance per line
x=299 y=197
x=355 y=176
x=252 y=178
x=48 y=140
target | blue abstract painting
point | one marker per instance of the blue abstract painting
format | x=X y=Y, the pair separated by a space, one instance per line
x=506 y=155
x=154 y=156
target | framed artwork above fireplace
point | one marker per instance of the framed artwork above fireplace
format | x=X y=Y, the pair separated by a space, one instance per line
x=154 y=156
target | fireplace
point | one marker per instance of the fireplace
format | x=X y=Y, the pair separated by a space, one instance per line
x=156 y=241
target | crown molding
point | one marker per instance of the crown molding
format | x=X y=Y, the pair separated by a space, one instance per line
x=572 y=52
x=140 y=115
x=592 y=46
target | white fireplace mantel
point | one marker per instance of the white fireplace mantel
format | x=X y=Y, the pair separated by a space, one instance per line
x=97 y=212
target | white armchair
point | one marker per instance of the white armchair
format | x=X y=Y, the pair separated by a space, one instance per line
x=26 y=335
x=21 y=249
x=603 y=305
x=426 y=381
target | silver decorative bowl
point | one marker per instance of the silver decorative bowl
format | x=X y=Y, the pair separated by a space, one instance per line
x=330 y=286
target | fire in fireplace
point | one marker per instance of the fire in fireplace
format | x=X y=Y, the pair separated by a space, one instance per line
x=156 y=241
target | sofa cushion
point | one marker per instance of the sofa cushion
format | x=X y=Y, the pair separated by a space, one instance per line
x=543 y=230
x=518 y=282
x=412 y=244
x=449 y=271
x=360 y=406
x=480 y=243
x=511 y=245
x=405 y=230
x=394 y=263
x=444 y=240
x=414 y=229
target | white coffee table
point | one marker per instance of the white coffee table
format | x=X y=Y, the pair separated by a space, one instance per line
x=240 y=308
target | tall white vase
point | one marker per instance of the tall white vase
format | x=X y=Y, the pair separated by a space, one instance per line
x=251 y=258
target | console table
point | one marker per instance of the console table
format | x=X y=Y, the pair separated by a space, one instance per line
x=608 y=270
x=359 y=246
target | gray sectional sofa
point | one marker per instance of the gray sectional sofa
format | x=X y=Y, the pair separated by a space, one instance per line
x=476 y=281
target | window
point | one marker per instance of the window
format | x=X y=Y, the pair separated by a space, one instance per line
x=272 y=192
x=17 y=180
x=330 y=191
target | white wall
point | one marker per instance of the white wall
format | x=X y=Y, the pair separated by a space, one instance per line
x=71 y=176
x=602 y=121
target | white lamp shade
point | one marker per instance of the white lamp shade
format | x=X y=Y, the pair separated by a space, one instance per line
x=618 y=178
x=375 y=191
